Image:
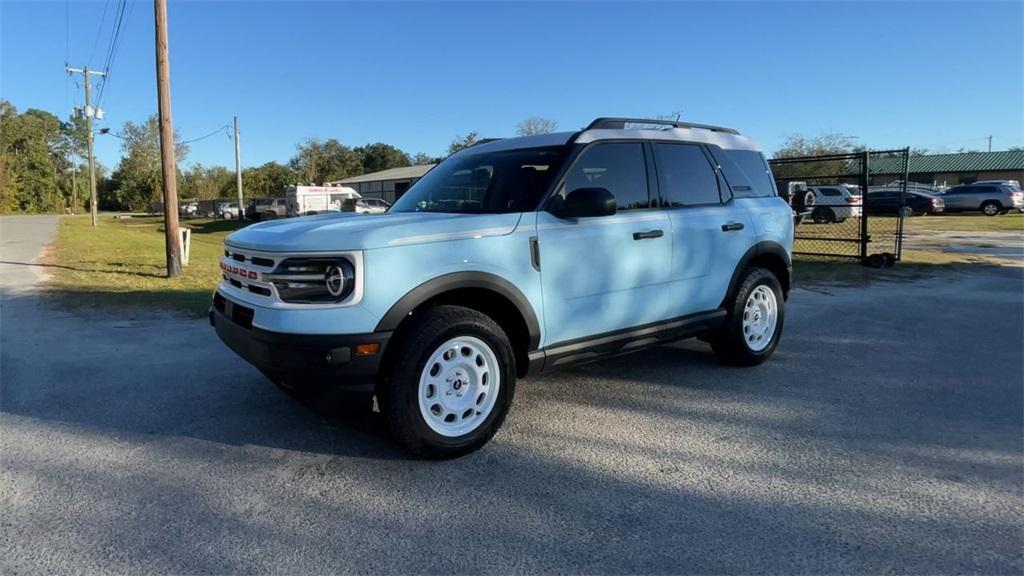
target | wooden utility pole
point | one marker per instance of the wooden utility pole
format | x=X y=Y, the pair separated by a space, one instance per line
x=172 y=240
x=238 y=172
x=89 y=113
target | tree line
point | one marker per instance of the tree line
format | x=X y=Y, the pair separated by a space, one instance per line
x=43 y=166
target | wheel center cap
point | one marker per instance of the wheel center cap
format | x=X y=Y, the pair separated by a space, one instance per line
x=458 y=382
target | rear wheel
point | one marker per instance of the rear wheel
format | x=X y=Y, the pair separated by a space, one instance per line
x=451 y=382
x=823 y=215
x=906 y=211
x=991 y=208
x=755 y=320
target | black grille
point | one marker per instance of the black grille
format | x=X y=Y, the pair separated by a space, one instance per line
x=218 y=301
x=262 y=261
x=259 y=290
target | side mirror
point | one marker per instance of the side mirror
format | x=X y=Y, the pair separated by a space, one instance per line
x=584 y=202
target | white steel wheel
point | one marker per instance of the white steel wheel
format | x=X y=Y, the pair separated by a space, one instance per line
x=459 y=386
x=760 y=315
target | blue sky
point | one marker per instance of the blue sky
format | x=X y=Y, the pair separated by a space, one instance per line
x=936 y=75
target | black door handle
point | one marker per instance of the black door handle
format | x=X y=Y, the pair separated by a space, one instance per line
x=732 y=226
x=648 y=234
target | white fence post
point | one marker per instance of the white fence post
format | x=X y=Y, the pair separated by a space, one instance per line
x=186 y=241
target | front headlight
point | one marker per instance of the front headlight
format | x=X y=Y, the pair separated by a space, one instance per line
x=313 y=280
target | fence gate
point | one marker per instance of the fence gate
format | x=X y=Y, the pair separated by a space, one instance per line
x=845 y=203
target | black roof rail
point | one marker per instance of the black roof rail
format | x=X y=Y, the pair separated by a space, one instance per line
x=620 y=123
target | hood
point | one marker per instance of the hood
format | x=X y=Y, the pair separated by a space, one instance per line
x=350 y=231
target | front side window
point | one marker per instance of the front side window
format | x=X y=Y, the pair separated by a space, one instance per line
x=615 y=166
x=831 y=192
x=485 y=183
x=685 y=176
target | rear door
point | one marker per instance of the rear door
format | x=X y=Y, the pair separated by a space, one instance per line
x=959 y=198
x=710 y=230
x=606 y=273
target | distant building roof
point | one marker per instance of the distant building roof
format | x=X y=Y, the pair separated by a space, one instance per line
x=961 y=162
x=404 y=173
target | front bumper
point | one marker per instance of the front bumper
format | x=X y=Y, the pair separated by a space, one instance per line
x=313 y=359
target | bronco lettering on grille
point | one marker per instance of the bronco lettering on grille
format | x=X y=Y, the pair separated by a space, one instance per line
x=240 y=272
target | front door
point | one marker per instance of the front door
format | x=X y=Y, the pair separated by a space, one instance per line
x=605 y=273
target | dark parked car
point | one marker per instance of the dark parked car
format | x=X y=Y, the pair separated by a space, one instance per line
x=913 y=204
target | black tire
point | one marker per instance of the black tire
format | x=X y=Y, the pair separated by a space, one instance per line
x=397 y=392
x=729 y=343
x=991 y=208
x=875 y=261
x=822 y=215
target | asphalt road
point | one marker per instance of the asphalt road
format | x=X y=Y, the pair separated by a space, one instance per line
x=884 y=436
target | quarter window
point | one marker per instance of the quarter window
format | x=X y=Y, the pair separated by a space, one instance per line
x=617 y=167
x=685 y=176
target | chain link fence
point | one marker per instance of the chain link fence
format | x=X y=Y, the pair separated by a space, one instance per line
x=835 y=199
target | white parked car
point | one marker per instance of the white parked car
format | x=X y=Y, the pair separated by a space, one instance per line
x=227 y=210
x=371 y=206
x=188 y=209
x=835 y=203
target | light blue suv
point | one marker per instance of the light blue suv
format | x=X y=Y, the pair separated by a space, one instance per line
x=513 y=257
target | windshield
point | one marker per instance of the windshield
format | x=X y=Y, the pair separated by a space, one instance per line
x=486 y=183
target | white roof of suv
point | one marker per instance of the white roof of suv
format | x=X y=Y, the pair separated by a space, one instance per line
x=609 y=129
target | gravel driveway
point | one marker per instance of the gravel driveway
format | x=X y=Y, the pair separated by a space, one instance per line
x=884 y=436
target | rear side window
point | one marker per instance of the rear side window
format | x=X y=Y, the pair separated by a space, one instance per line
x=617 y=167
x=830 y=192
x=747 y=173
x=685 y=176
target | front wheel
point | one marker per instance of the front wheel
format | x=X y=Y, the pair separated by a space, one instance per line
x=755 y=320
x=451 y=381
x=906 y=211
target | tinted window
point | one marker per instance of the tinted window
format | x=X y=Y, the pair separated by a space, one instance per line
x=685 y=176
x=830 y=192
x=988 y=190
x=754 y=170
x=617 y=167
x=485 y=182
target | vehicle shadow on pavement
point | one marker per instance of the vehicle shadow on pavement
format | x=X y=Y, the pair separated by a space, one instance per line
x=848 y=452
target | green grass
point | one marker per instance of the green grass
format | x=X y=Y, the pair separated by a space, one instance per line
x=121 y=262
x=812 y=272
x=1012 y=222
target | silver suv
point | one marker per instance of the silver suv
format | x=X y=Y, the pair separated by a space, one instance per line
x=989 y=199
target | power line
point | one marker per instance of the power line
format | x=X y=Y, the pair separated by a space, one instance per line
x=103 y=20
x=214 y=133
x=115 y=42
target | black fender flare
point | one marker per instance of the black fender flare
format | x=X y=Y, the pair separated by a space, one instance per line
x=763 y=247
x=458 y=280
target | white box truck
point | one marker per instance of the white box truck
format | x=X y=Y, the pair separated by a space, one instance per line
x=305 y=200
